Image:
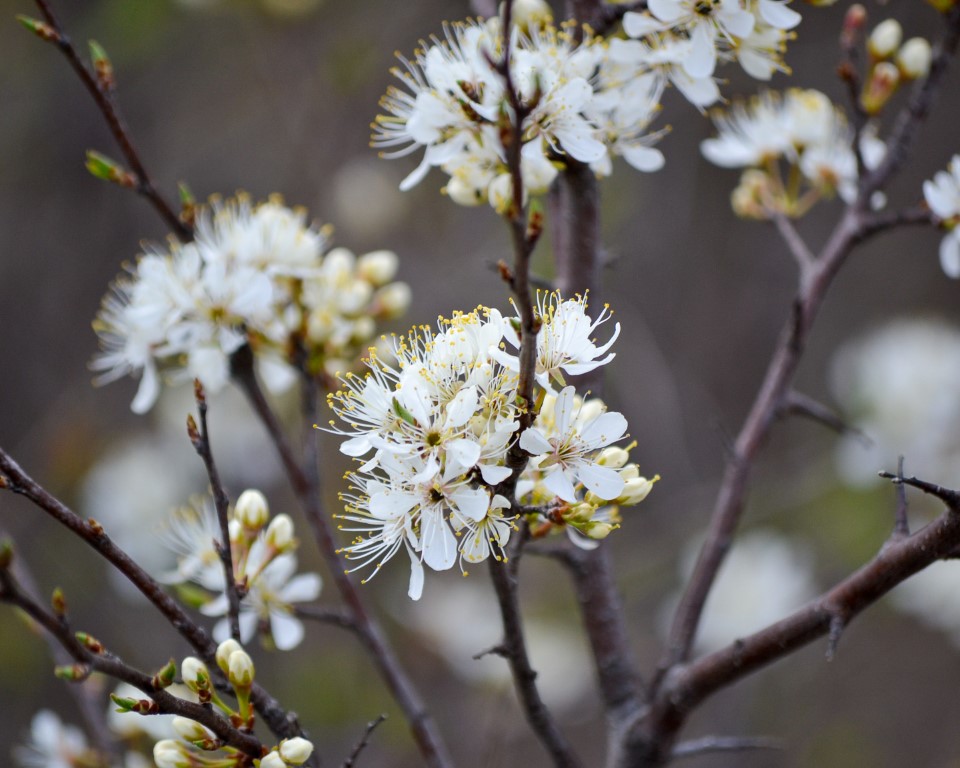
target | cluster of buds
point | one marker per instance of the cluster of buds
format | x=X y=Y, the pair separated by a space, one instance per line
x=892 y=62
x=264 y=567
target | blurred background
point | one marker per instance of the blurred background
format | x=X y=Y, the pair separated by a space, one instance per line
x=276 y=96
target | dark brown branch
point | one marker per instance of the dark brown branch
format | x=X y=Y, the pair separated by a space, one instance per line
x=851 y=39
x=948 y=496
x=710 y=744
x=335 y=616
x=109 y=664
x=879 y=222
x=305 y=482
x=901 y=526
x=514 y=650
x=364 y=740
x=803 y=405
x=111 y=113
x=18 y=481
x=201 y=443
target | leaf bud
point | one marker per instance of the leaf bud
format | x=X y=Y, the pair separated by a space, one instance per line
x=58 y=602
x=377 y=267
x=74 y=673
x=280 y=533
x=252 y=510
x=102 y=66
x=885 y=39
x=40 y=28
x=240 y=669
x=853 y=23
x=224 y=650
x=6 y=554
x=124 y=703
x=89 y=642
x=914 y=58
x=295 y=751
x=107 y=169
x=166 y=676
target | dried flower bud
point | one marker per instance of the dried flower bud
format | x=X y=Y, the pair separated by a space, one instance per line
x=295 y=751
x=252 y=510
x=914 y=58
x=280 y=533
x=885 y=39
x=240 y=669
x=377 y=267
x=223 y=653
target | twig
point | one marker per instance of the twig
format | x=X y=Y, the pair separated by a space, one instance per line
x=364 y=740
x=335 y=616
x=13 y=478
x=101 y=660
x=901 y=526
x=115 y=122
x=798 y=248
x=710 y=744
x=917 y=216
x=305 y=482
x=851 y=38
x=201 y=443
x=948 y=496
x=804 y=405
x=514 y=650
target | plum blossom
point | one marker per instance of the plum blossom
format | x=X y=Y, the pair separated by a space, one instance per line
x=942 y=194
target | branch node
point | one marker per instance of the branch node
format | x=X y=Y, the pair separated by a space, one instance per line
x=494 y=650
x=837 y=625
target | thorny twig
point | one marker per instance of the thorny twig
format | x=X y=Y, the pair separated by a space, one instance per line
x=364 y=740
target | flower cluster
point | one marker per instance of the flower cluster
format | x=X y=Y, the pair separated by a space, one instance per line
x=263 y=562
x=253 y=275
x=943 y=196
x=579 y=104
x=434 y=430
x=804 y=130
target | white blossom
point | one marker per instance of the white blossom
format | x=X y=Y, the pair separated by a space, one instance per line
x=942 y=194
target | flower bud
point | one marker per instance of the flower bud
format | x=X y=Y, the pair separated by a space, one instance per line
x=582 y=512
x=235 y=530
x=295 y=751
x=170 y=754
x=636 y=490
x=240 y=669
x=613 y=456
x=531 y=13
x=500 y=193
x=280 y=533
x=463 y=193
x=377 y=267
x=272 y=760
x=590 y=410
x=914 y=58
x=885 y=39
x=630 y=471
x=252 y=510
x=195 y=674
x=191 y=730
x=392 y=300
x=223 y=653
x=599 y=531
x=363 y=329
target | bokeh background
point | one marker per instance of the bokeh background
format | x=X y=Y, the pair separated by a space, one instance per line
x=276 y=96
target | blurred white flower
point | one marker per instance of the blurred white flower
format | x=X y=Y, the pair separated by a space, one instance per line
x=52 y=744
x=899 y=386
x=764 y=578
x=943 y=196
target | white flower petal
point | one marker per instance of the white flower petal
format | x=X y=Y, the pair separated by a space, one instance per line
x=287 y=630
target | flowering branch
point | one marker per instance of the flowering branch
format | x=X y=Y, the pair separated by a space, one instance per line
x=101 y=89
x=305 y=481
x=90 y=655
x=13 y=478
x=200 y=438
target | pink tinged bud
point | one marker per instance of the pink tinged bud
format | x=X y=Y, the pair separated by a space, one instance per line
x=280 y=533
x=272 y=760
x=914 y=58
x=223 y=653
x=882 y=84
x=252 y=510
x=295 y=751
x=240 y=669
x=853 y=24
x=885 y=39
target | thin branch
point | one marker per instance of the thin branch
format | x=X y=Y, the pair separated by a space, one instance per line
x=305 y=482
x=798 y=248
x=804 y=405
x=201 y=443
x=334 y=616
x=13 y=478
x=901 y=526
x=101 y=660
x=364 y=740
x=108 y=107
x=917 y=216
x=948 y=496
x=851 y=39
x=514 y=650
x=711 y=744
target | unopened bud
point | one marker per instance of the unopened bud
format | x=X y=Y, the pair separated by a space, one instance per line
x=914 y=58
x=191 y=730
x=106 y=169
x=223 y=653
x=943 y=5
x=58 y=602
x=165 y=677
x=882 y=84
x=590 y=410
x=531 y=13
x=102 y=66
x=235 y=531
x=252 y=510
x=392 y=300
x=295 y=751
x=629 y=472
x=40 y=28
x=853 y=23
x=240 y=669
x=170 y=754
x=462 y=193
x=599 y=531
x=636 y=490
x=500 y=194
x=377 y=267
x=280 y=533
x=272 y=760
x=74 y=673
x=89 y=642
x=195 y=674
x=584 y=511
x=6 y=554
x=885 y=39
x=613 y=456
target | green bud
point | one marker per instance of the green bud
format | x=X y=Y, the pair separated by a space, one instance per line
x=102 y=66
x=6 y=554
x=123 y=703
x=165 y=677
x=58 y=602
x=74 y=673
x=102 y=167
x=89 y=642
x=40 y=28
